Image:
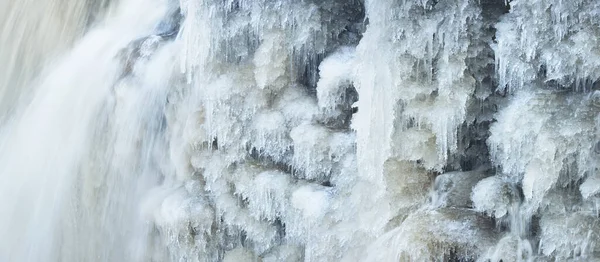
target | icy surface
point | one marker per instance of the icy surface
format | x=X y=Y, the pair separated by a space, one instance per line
x=299 y=130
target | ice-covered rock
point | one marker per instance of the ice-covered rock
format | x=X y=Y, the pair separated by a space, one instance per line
x=454 y=189
x=439 y=235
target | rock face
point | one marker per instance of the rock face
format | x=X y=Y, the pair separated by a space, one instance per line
x=310 y=130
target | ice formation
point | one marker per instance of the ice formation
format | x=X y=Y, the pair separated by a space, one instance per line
x=299 y=130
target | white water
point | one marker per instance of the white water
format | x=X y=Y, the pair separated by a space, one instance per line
x=283 y=130
x=80 y=128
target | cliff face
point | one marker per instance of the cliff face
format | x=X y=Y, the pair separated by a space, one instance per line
x=284 y=130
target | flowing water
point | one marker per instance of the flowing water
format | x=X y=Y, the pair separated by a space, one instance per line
x=299 y=130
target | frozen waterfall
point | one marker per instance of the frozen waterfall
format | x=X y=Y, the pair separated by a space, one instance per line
x=299 y=130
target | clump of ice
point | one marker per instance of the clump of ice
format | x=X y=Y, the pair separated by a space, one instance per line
x=185 y=221
x=590 y=187
x=493 y=196
x=297 y=107
x=311 y=202
x=544 y=147
x=271 y=62
x=335 y=76
x=268 y=195
x=317 y=150
x=269 y=135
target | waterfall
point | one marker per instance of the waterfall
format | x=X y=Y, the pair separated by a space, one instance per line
x=93 y=131
x=299 y=130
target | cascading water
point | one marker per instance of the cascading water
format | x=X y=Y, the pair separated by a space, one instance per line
x=299 y=130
